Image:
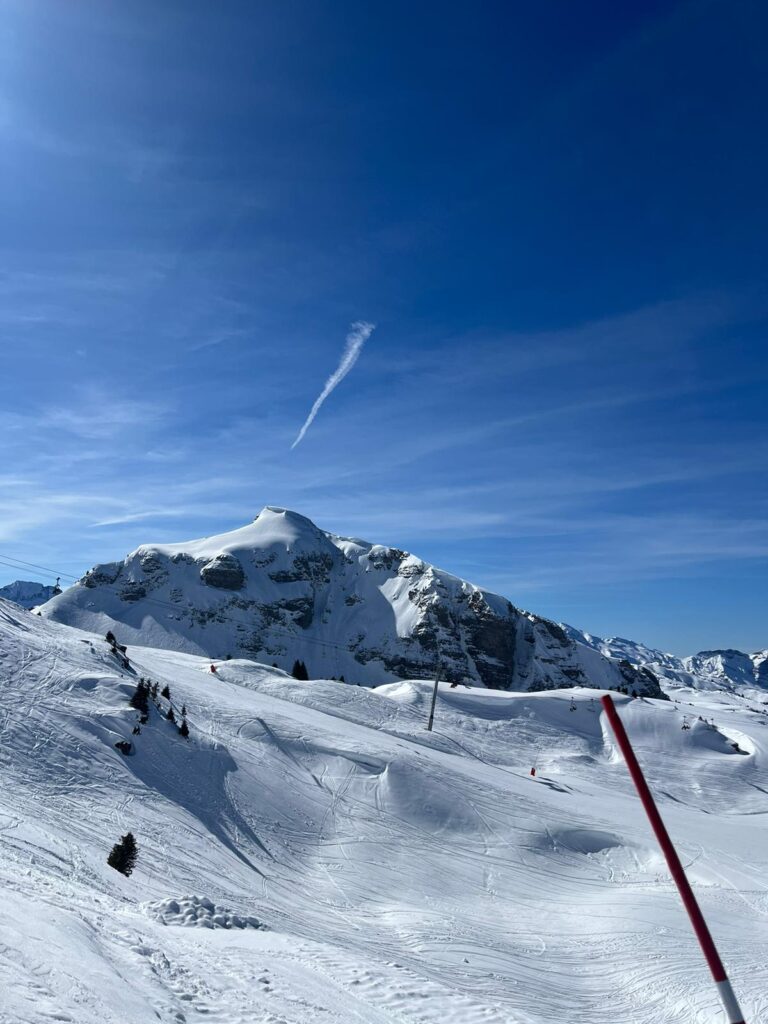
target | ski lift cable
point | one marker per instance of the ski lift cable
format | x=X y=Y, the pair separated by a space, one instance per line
x=33 y=565
x=29 y=572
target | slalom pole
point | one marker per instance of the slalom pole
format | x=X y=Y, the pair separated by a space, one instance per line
x=434 y=698
x=724 y=990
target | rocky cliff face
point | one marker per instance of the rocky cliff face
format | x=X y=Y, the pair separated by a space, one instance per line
x=281 y=589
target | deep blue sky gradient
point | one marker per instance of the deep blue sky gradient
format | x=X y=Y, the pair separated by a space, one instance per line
x=555 y=213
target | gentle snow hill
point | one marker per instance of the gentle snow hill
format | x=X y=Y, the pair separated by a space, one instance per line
x=312 y=854
x=280 y=589
x=26 y=594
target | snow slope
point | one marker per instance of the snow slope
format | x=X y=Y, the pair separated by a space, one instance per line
x=312 y=854
x=281 y=589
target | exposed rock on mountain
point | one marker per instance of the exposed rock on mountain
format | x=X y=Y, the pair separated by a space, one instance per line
x=716 y=669
x=281 y=589
x=224 y=571
x=707 y=670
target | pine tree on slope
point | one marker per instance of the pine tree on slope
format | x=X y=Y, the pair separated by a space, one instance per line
x=122 y=857
x=140 y=698
x=299 y=670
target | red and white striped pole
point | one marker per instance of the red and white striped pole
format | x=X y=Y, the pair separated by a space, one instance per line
x=733 y=1013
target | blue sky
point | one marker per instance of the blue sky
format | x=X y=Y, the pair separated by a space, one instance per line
x=554 y=213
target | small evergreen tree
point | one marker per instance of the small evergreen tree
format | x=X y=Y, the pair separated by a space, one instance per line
x=110 y=638
x=166 y=692
x=122 y=857
x=140 y=698
x=299 y=670
x=184 y=728
x=171 y=716
x=154 y=690
x=183 y=710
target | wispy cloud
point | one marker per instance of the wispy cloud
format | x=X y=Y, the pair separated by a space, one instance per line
x=135 y=517
x=359 y=333
x=221 y=337
x=138 y=158
x=100 y=415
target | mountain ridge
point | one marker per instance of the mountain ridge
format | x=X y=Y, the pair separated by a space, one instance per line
x=280 y=589
x=709 y=669
x=27 y=594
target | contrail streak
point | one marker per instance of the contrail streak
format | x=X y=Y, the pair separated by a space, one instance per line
x=359 y=333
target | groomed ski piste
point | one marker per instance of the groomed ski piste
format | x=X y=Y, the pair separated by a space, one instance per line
x=312 y=854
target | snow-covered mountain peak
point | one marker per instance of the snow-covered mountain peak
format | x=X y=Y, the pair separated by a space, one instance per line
x=281 y=589
x=27 y=594
x=727 y=667
x=284 y=526
x=272 y=528
x=708 y=670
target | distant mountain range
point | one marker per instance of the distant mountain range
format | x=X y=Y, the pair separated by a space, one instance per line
x=281 y=589
x=707 y=670
x=27 y=594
